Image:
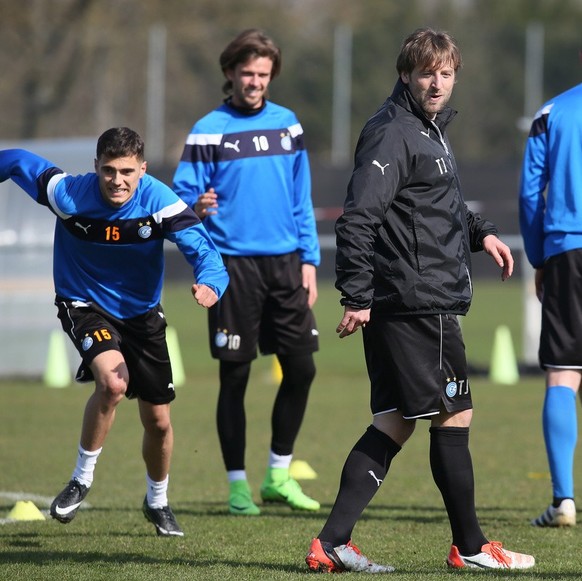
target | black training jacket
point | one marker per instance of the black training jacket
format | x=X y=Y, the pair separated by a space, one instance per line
x=405 y=237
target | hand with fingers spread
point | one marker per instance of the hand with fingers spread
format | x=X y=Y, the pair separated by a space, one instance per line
x=352 y=320
x=206 y=204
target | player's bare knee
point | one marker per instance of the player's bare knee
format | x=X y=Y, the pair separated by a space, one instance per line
x=155 y=418
x=111 y=389
x=395 y=426
x=158 y=426
x=459 y=419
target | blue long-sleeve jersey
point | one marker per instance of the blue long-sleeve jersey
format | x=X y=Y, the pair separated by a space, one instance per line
x=114 y=256
x=552 y=224
x=259 y=168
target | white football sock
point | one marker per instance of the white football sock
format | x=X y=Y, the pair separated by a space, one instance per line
x=233 y=475
x=85 y=466
x=277 y=461
x=157 y=492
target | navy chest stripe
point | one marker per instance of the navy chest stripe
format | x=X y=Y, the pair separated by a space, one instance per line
x=246 y=144
x=131 y=231
x=181 y=221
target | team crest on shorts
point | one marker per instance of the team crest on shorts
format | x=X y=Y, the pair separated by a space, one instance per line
x=220 y=339
x=451 y=389
x=87 y=343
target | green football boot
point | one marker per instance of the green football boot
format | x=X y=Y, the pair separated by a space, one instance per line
x=240 y=500
x=278 y=486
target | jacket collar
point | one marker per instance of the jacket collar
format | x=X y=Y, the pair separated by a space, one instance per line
x=402 y=96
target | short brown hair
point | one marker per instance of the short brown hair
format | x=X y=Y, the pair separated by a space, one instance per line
x=428 y=48
x=251 y=43
x=120 y=142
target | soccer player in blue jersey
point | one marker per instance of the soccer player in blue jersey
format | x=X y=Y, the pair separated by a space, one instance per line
x=550 y=204
x=108 y=270
x=246 y=172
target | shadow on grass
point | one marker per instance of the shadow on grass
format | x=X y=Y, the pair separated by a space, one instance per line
x=376 y=511
x=54 y=558
x=26 y=549
x=415 y=513
x=402 y=511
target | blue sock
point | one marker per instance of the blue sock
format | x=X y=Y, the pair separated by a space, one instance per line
x=560 y=434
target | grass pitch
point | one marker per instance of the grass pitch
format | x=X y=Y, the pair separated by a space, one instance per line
x=405 y=525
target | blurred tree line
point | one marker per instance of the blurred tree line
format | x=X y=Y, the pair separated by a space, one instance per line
x=77 y=67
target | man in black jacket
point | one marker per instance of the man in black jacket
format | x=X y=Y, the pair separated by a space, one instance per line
x=403 y=269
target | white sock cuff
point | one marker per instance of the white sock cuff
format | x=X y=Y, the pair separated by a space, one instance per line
x=85 y=466
x=157 y=492
x=277 y=461
x=89 y=453
x=157 y=484
x=233 y=475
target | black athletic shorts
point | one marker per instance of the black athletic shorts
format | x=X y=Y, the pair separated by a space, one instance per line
x=561 y=332
x=141 y=340
x=417 y=365
x=265 y=304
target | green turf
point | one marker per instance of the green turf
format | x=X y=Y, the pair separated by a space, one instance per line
x=405 y=525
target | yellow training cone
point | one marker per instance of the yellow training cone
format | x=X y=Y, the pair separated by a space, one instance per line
x=503 y=367
x=57 y=371
x=179 y=377
x=25 y=510
x=539 y=475
x=301 y=470
x=277 y=371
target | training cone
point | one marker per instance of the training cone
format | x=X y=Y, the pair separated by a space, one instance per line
x=301 y=470
x=25 y=510
x=503 y=368
x=57 y=371
x=179 y=377
x=277 y=372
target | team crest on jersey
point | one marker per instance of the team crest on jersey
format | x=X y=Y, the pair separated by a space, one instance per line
x=286 y=141
x=220 y=339
x=87 y=343
x=451 y=389
x=145 y=230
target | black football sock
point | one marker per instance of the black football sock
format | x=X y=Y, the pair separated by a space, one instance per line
x=291 y=401
x=364 y=470
x=230 y=413
x=452 y=470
